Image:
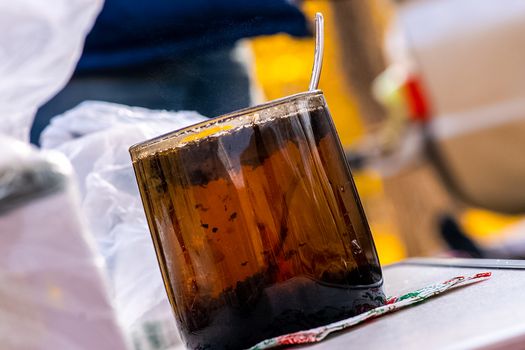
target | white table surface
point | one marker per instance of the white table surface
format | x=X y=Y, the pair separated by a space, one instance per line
x=486 y=315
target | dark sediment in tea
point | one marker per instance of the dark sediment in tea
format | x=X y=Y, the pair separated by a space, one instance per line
x=262 y=232
x=240 y=318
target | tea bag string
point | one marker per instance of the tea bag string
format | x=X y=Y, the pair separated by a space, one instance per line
x=319 y=48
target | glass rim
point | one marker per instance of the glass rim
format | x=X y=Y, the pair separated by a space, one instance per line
x=142 y=146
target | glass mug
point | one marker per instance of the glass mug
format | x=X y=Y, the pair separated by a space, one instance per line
x=257 y=225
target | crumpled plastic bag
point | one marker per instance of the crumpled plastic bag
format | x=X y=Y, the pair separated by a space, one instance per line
x=40 y=43
x=52 y=290
x=95 y=136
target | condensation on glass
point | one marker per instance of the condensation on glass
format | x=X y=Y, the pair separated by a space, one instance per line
x=257 y=224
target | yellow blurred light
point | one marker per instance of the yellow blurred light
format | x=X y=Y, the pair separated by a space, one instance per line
x=389 y=246
x=283 y=66
x=484 y=224
x=368 y=183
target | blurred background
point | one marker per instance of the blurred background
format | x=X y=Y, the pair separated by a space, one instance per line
x=419 y=91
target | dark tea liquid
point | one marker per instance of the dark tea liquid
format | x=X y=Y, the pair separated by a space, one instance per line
x=259 y=231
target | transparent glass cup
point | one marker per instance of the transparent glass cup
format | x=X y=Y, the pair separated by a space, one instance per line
x=257 y=225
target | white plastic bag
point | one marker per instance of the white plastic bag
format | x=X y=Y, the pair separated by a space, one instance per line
x=40 y=43
x=52 y=292
x=95 y=136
